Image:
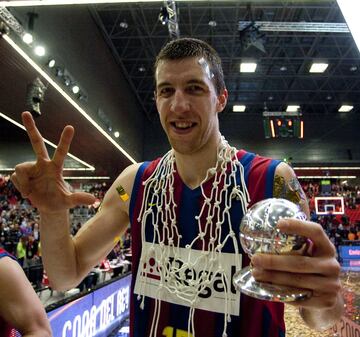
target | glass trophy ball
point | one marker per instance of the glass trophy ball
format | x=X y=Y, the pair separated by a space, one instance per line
x=258 y=232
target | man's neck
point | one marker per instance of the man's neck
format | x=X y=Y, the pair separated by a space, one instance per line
x=192 y=168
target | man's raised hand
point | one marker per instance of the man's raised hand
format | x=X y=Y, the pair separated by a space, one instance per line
x=42 y=181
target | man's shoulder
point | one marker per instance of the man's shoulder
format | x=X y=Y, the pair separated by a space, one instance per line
x=256 y=161
x=4 y=253
x=132 y=169
x=284 y=170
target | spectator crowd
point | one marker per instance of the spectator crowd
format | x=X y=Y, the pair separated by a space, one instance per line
x=19 y=223
x=341 y=228
x=20 y=234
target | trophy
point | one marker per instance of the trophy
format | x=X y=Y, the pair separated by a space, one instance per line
x=258 y=234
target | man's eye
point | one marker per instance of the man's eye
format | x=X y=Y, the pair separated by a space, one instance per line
x=166 y=91
x=195 y=88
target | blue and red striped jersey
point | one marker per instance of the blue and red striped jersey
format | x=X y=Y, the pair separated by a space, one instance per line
x=257 y=318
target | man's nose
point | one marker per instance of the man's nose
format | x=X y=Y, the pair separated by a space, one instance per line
x=180 y=102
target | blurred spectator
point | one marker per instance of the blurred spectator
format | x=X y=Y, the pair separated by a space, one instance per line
x=21 y=250
x=352 y=235
x=32 y=252
x=127 y=241
x=13 y=239
x=3 y=235
x=36 y=231
x=26 y=228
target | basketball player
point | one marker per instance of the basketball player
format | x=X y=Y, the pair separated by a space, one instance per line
x=185 y=209
x=20 y=308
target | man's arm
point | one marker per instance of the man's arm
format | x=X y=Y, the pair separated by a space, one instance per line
x=287 y=186
x=318 y=270
x=68 y=259
x=19 y=306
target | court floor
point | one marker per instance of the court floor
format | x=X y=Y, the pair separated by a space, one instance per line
x=348 y=327
x=296 y=328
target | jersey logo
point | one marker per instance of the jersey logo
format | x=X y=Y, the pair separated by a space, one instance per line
x=211 y=296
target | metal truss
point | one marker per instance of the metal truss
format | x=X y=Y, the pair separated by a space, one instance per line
x=10 y=21
x=296 y=34
x=172 y=23
x=321 y=27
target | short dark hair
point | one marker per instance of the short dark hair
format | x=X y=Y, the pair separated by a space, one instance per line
x=190 y=47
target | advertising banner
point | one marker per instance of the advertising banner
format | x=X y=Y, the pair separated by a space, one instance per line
x=95 y=314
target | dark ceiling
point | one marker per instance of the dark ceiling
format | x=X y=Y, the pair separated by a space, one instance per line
x=282 y=76
x=110 y=49
x=88 y=144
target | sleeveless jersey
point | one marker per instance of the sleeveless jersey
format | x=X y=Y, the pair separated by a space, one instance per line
x=5 y=329
x=257 y=318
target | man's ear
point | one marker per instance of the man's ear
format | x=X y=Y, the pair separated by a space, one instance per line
x=222 y=100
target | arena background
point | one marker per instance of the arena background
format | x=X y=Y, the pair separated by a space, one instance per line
x=108 y=50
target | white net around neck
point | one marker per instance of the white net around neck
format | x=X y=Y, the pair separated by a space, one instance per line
x=159 y=191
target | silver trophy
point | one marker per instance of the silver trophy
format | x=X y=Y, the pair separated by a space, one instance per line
x=258 y=234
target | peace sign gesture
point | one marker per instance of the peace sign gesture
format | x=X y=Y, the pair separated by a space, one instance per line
x=42 y=181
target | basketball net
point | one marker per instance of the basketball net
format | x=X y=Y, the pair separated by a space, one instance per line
x=159 y=191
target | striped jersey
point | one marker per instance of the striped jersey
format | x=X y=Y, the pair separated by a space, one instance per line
x=254 y=318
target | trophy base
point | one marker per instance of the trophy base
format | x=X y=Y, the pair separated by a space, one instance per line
x=245 y=282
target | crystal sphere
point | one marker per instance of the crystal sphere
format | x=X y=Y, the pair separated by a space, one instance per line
x=258 y=232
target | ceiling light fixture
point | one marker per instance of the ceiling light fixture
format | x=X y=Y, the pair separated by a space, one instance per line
x=292 y=108
x=123 y=25
x=51 y=63
x=346 y=108
x=248 y=67
x=28 y=38
x=116 y=134
x=66 y=96
x=318 y=67
x=39 y=51
x=239 y=108
x=75 y=89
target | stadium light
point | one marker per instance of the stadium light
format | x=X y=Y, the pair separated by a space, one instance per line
x=239 y=108
x=248 y=67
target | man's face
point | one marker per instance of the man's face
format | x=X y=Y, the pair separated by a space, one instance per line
x=188 y=104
